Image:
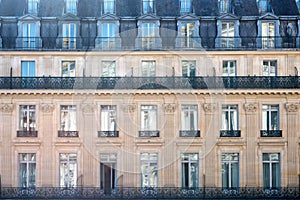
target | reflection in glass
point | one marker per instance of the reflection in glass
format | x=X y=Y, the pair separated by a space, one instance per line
x=149 y=170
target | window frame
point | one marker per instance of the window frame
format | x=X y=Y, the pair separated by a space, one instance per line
x=68 y=162
x=267 y=123
x=69 y=35
x=108 y=7
x=148 y=68
x=148 y=6
x=70 y=125
x=186 y=6
x=189 y=163
x=71 y=6
x=32 y=7
x=147 y=124
x=112 y=163
x=263 y=8
x=269 y=163
x=230 y=161
x=226 y=113
x=148 y=161
x=28 y=66
x=111 y=111
x=190 y=67
x=228 y=64
x=189 y=109
x=28 y=109
x=228 y=34
x=267 y=68
x=29 y=36
x=27 y=163
x=225 y=6
x=71 y=72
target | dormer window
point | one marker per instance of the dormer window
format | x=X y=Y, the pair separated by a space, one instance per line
x=148 y=6
x=32 y=7
x=71 y=6
x=185 y=6
x=263 y=6
x=108 y=7
x=298 y=4
x=225 y=6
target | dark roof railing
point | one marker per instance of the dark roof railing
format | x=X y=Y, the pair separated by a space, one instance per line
x=147 y=83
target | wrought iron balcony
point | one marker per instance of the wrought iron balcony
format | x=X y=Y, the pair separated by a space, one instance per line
x=255 y=193
x=190 y=133
x=108 y=133
x=22 y=133
x=144 y=83
x=71 y=134
x=271 y=133
x=230 y=133
x=148 y=134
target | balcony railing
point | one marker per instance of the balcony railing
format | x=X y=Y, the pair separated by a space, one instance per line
x=254 y=193
x=146 y=83
x=148 y=134
x=108 y=134
x=271 y=133
x=230 y=133
x=22 y=133
x=163 y=42
x=71 y=134
x=184 y=133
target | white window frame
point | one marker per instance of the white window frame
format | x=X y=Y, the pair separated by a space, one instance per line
x=187 y=34
x=29 y=159
x=29 y=113
x=108 y=159
x=148 y=35
x=186 y=6
x=268 y=37
x=32 y=7
x=29 y=36
x=69 y=35
x=187 y=123
x=267 y=68
x=28 y=68
x=148 y=68
x=228 y=158
x=190 y=67
x=271 y=162
x=150 y=161
x=147 y=113
x=70 y=72
x=64 y=179
x=227 y=65
x=71 y=124
x=108 y=68
x=229 y=111
x=267 y=111
x=228 y=35
x=109 y=7
x=263 y=8
x=108 y=115
x=225 y=6
x=108 y=36
x=190 y=162
x=71 y=6
x=148 y=6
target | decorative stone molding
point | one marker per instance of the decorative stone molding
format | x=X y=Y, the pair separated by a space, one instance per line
x=6 y=107
x=47 y=108
x=129 y=108
x=251 y=107
x=292 y=107
x=169 y=107
x=88 y=108
x=210 y=107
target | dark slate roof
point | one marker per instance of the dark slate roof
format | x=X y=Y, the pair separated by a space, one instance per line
x=206 y=7
x=245 y=8
x=51 y=8
x=12 y=7
x=284 y=7
x=167 y=8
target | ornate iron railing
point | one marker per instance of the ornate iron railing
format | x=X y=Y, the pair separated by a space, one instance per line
x=149 y=193
x=148 y=134
x=72 y=134
x=195 y=133
x=271 y=133
x=108 y=133
x=104 y=83
x=230 y=133
x=22 y=133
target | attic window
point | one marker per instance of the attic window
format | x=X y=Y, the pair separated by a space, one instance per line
x=298 y=4
x=185 y=6
x=32 y=6
x=71 y=6
x=263 y=6
x=225 y=6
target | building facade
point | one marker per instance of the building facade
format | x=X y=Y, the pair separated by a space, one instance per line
x=183 y=95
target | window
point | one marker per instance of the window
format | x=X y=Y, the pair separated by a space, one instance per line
x=227 y=34
x=298 y=4
x=148 y=6
x=27 y=118
x=149 y=168
x=108 y=118
x=271 y=170
x=229 y=117
x=149 y=68
x=269 y=68
x=230 y=170
x=108 y=172
x=185 y=6
x=68 y=69
x=270 y=117
x=108 y=68
x=108 y=7
x=29 y=35
x=71 y=6
x=229 y=68
x=68 y=118
x=32 y=6
x=189 y=117
x=187 y=34
x=268 y=34
x=148 y=35
x=108 y=35
x=69 y=36
x=263 y=6
x=28 y=69
x=225 y=6
x=27 y=170
x=67 y=170
x=190 y=170
x=149 y=118
x=189 y=68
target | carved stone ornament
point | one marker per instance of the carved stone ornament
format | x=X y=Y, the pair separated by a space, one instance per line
x=88 y=108
x=129 y=108
x=6 y=107
x=169 y=107
x=292 y=107
x=209 y=107
x=47 y=108
x=251 y=107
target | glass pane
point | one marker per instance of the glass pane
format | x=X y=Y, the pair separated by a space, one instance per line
x=266 y=175
x=23 y=175
x=275 y=175
x=193 y=175
x=235 y=175
x=225 y=175
x=185 y=175
x=153 y=175
x=274 y=121
x=31 y=175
